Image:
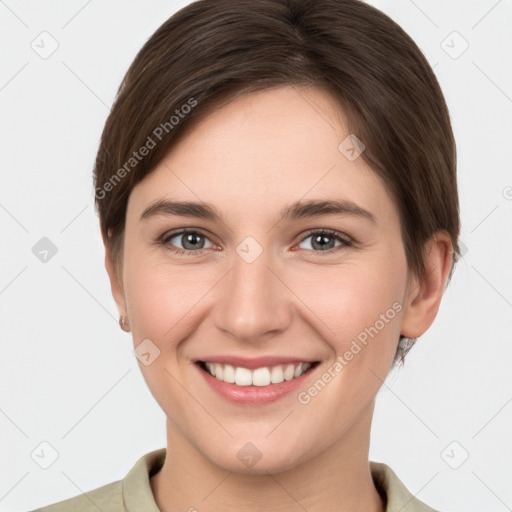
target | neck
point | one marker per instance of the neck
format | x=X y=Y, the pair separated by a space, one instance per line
x=341 y=475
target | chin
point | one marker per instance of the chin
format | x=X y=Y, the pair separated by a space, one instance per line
x=247 y=459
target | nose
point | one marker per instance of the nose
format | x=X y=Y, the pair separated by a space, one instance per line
x=253 y=303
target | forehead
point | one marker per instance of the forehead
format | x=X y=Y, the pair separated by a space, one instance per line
x=262 y=150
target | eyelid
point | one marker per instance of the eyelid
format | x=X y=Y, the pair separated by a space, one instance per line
x=331 y=232
x=185 y=229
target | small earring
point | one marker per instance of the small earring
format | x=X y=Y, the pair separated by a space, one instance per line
x=122 y=322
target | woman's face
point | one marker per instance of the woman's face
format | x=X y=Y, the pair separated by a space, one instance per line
x=257 y=283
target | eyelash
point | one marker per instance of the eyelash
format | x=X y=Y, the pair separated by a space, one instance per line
x=346 y=241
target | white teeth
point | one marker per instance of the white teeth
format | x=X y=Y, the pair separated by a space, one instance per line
x=289 y=373
x=243 y=377
x=219 y=371
x=276 y=375
x=259 y=377
x=211 y=368
x=229 y=374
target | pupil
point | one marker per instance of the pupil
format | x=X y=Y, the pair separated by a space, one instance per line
x=322 y=240
x=191 y=237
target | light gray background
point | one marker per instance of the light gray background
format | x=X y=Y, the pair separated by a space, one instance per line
x=68 y=373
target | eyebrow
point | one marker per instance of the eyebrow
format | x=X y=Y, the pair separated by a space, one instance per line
x=297 y=210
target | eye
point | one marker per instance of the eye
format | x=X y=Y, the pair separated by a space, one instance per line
x=323 y=240
x=193 y=242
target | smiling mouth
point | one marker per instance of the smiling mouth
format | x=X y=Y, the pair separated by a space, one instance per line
x=264 y=376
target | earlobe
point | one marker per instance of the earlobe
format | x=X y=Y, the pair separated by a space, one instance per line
x=424 y=295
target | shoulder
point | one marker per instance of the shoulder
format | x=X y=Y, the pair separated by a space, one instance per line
x=133 y=492
x=399 y=498
x=107 y=498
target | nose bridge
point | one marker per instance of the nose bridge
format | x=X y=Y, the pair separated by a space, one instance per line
x=252 y=299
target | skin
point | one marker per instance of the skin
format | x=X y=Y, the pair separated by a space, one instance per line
x=249 y=159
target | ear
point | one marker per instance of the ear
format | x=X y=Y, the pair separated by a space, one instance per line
x=116 y=282
x=424 y=295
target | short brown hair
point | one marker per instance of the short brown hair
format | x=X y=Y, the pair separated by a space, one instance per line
x=214 y=50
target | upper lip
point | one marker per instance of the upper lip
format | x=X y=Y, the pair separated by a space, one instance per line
x=255 y=362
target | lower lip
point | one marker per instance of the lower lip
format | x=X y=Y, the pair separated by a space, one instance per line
x=254 y=395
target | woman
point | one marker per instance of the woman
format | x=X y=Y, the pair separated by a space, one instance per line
x=276 y=188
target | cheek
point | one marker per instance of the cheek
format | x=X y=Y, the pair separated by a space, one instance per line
x=161 y=299
x=357 y=302
x=165 y=300
x=163 y=304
